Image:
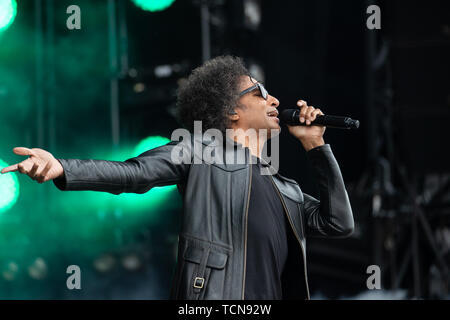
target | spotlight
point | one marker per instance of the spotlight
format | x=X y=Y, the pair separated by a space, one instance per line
x=257 y=72
x=150 y=143
x=38 y=269
x=132 y=73
x=131 y=262
x=139 y=87
x=104 y=263
x=252 y=13
x=9 y=189
x=8 y=12
x=10 y=271
x=157 y=194
x=153 y=5
x=155 y=200
x=163 y=71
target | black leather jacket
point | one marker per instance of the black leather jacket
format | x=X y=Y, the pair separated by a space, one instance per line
x=212 y=243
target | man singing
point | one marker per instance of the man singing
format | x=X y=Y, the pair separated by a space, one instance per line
x=243 y=232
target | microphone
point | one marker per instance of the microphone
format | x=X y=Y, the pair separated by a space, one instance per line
x=292 y=118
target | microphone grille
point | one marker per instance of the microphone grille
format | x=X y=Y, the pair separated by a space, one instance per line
x=288 y=115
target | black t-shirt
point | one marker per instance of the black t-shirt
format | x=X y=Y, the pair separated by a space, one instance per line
x=267 y=239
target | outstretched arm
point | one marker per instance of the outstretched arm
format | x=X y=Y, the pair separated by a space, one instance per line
x=136 y=175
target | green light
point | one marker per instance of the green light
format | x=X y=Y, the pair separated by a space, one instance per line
x=8 y=11
x=9 y=189
x=153 y=5
x=150 y=143
x=148 y=206
x=151 y=202
x=157 y=195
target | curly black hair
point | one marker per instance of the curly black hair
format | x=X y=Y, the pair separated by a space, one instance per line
x=210 y=93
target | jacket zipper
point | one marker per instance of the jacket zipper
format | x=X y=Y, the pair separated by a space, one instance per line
x=245 y=237
x=296 y=235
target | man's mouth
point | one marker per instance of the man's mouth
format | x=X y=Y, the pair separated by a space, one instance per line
x=273 y=113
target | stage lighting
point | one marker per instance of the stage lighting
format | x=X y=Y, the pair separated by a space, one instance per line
x=131 y=262
x=145 y=145
x=131 y=207
x=104 y=263
x=8 y=11
x=157 y=197
x=38 y=269
x=252 y=14
x=9 y=189
x=150 y=143
x=10 y=271
x=257 y=72
x=153 y=5
x=139 y=87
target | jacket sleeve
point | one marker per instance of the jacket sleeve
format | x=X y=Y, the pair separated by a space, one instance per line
x=331 y=216
x=135 y=175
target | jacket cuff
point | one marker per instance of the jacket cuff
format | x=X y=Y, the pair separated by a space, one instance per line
x=320 y=149
x=61 y=182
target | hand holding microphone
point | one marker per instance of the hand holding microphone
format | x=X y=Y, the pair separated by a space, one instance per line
x=292 y=117
x=308 y=124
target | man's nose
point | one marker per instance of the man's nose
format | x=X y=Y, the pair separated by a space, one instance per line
x=273 y=101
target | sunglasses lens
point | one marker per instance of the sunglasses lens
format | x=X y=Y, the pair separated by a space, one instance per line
x=263 y=91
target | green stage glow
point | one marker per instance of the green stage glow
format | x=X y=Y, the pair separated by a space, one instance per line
x=8 y=11
x=150 y=143
x=158 y=195
x=153 y=5
x=148 y=206
x=9 y=189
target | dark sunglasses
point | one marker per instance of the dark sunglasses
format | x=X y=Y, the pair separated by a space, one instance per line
x=259 y=86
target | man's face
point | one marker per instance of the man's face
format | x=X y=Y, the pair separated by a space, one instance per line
x=255 y=111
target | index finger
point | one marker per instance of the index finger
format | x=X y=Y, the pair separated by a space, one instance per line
x=302 y=103
x=12 y=168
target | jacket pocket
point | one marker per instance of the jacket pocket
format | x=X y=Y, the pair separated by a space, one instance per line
x=216 y=260
x=203 y=271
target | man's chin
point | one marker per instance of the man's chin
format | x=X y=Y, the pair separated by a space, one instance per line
x=273 y=132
